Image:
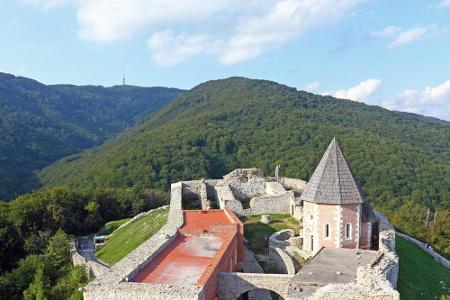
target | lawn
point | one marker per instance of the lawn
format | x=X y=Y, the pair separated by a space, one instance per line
x=420 y=275
x=109 y=227
x=256 y=232
x=131 y=236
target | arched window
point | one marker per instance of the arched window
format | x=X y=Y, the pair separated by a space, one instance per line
x=348 y=231
x=326 y=231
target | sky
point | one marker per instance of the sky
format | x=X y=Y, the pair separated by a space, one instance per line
x=395 y=54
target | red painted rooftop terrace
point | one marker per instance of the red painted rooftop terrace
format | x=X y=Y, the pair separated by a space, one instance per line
x=209 y=242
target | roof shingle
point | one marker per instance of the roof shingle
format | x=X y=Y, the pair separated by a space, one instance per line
x=332 y=182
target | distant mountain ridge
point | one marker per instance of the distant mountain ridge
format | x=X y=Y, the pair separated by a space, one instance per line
x=40 y=124
x=238 y=122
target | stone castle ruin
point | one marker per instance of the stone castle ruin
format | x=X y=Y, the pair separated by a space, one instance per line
x=200 y=253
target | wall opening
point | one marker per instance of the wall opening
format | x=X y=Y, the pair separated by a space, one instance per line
x=327 y=231
x=348 y=231
x=191 y=200
x=259 y=293
x=374 y=239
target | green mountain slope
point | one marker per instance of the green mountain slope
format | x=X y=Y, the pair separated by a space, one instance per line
x=40 y=124
x=237 y=122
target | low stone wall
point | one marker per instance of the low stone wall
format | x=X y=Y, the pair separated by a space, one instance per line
x=281 y=261
x=232 y=285
x=142 y=291
x=92 y=267
x=280 y=238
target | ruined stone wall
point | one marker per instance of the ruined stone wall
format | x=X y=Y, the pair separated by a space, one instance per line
x=296 y=209
x=276 y=204
x=293 y=183
x=281 y=260
x=92 y=267
x=197 y=187
x=274 y=188
x=246 y=183
x=226 y=198
x=232 y=285
x=139 y=291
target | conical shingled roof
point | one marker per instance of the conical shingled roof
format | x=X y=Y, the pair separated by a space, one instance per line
x=332 y=182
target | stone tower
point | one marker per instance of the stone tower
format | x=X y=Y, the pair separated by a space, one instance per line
x=335 y=212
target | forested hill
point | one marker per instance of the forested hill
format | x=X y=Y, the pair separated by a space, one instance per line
x=40 y=124
x=237 y=122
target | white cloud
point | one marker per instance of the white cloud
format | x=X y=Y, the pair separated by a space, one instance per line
x=399 y=37
x=408 y=36
x=244 y=29
x=111 y=20
x=47 y=4
x=312 y=86
x=361 y=91
x=444 y=3
x=169 y=49
x=281 y=22
x=431 y=101
x=389 y=31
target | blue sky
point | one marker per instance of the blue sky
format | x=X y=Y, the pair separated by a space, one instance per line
x=395 y=54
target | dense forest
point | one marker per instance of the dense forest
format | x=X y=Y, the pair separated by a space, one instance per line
x=237 y=122
x=401 y=160
x=36 y=230
x=40 y=124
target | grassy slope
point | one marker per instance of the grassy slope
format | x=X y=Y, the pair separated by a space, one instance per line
x=109 y=227
x=419 y=274
x=255 y=231
x=130 y=237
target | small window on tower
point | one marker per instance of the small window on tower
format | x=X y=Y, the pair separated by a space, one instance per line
x=327 y=230
x=348 y=231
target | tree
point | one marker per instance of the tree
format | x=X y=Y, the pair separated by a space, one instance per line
x=38 y=289
x=10 y=243
x=411 y=218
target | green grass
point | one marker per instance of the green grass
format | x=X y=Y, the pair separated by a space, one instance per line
x=109 y=227
x=420 y=275
x=255 y=232
x=131 y=236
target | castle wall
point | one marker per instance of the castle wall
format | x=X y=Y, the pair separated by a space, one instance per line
x=309 y=226
x=293 y=183
x=226 y=262
x=276 y=204
x=366 y=233
x=350 y=214
x=327 y=215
